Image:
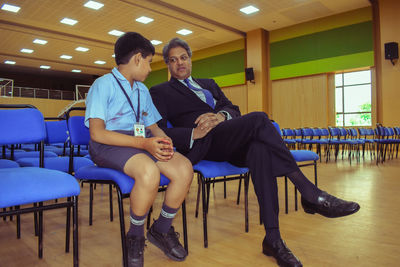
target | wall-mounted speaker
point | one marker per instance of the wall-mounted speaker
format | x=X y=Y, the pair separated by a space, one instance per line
x=391 y=50
x=249 y=72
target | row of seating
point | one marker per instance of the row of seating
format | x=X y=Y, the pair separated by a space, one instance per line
x=32 y=121
x=351 y=140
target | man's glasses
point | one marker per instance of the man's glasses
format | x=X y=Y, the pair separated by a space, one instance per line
x=174 y=60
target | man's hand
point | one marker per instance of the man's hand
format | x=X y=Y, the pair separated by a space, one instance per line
x=160 y=147
x=205 y=123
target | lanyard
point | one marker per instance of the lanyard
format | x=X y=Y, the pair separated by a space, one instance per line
x=137 y=115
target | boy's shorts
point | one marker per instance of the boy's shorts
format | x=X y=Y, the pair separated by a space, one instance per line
x=115 y=157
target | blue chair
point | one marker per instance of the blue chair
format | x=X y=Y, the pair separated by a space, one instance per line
x=79 y=135
x=21 y=186
x=210 y=172
x=6 y=163
x=303 y=158
x=289 y=138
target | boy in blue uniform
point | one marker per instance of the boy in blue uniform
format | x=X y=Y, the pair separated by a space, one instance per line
x=122 y=121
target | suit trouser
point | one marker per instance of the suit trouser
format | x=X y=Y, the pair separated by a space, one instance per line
x=252 y=141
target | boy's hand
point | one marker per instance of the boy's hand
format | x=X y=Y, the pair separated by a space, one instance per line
x=160 y=147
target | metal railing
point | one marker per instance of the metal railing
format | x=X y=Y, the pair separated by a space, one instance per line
x=9 y=91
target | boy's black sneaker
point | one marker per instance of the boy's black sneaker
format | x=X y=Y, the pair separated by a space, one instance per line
x=135 y=247
x=168 y=243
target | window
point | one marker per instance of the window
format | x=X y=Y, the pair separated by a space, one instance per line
x=353 y=98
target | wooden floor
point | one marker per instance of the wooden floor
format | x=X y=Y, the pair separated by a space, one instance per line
x=370 y=237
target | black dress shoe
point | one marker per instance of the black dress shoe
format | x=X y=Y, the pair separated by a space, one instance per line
x=281 y=253
x=168 y=243
x=330 y=206
x=135 y=247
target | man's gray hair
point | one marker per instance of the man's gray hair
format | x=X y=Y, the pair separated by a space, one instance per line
x=175 y=42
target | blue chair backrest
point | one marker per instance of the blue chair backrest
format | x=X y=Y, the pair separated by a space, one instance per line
x=307 y=132
x=57 y=132
x=353 y=132
x=297 y=132
x=277 y=127
x=288 y=132
x=21 y=126
x=343 y=132
x=334 y=131
x=79 y=133
x=317 y=132
x=324 y=132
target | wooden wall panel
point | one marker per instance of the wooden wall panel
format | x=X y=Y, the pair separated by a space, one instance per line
x=301 y=102
x=237 y=95
x=48 y=107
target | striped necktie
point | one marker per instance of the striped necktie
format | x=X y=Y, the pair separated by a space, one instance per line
x=207 y=94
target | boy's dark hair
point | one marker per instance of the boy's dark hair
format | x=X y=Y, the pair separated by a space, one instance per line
x=175 y=42
x=130 y=44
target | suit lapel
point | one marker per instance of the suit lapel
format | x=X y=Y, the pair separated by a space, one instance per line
x=182 y=89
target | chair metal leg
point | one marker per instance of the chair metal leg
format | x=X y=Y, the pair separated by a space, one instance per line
x=224 y=188
x=208 y=195
x=198 y=195
x=122 y=229
x=111 y=203
x=91 y=204
x=246 y=203
x=203 y=190
x=40 y=238
x=149 y=218
x=75 y=230
x=184 y=224
x=286 y=196
x=238 y=195
x=68 y=227
x=295 y=199
x=315 y=174
x=35 y=221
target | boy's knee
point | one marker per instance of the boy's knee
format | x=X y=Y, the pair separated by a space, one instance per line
x=149 y=178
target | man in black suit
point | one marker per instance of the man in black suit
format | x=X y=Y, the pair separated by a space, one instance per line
x=206 y=125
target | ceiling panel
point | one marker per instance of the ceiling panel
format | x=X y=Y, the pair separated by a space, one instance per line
x=213 y=22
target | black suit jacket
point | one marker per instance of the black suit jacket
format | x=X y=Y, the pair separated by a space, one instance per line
x=181 y=107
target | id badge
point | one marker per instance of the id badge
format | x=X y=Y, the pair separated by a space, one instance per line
x=139 y=130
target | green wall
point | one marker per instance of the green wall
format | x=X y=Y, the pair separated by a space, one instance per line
x=340 y=48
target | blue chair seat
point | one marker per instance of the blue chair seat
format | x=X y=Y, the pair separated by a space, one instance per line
x=124 y=181
x=52 y=184
x=33 y=154
x=58 y=163
x=211 y=169
x=304 y=155
x=5 y=163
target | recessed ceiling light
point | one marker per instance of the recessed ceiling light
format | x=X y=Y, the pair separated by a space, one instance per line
x=65 y=56
x=26 y=50
x=39 y=41
x=76 y=70
x=68 y=21
x=82 y=49
x=100 y=62
x=156 y=42
x=184 y=32
x=115 y=33
x=45 y=67
x=93 y=5
x=9 y=62
x=144 y=20
x=249 y=9
x=113 y=55
x=11 y=8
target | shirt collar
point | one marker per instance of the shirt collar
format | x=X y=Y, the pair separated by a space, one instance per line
x=190 y=80
x=121 y=77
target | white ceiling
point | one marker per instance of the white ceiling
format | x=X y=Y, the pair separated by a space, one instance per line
x=213 y=22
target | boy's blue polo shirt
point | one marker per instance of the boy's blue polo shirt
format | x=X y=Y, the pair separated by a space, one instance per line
x=106 y=101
